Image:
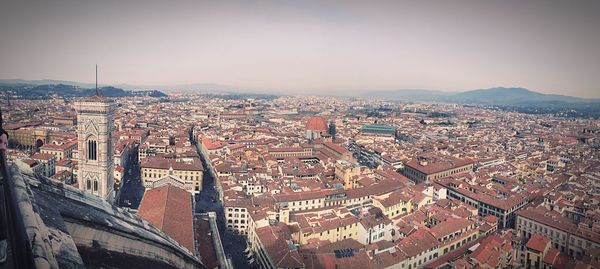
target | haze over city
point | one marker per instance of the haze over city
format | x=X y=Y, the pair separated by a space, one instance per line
x=308 y=46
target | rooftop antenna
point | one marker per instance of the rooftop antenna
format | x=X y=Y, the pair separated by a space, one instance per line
x=97 y=94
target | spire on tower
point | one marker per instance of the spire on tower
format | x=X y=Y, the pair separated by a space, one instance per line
x=97 y=94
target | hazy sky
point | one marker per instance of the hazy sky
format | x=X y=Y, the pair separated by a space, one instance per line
x=547 y=46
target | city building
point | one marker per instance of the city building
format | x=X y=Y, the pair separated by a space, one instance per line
x=95 y=145
x=187 y=175
x=63 y=150
x=488 y=201
x=378 y=130
x=565 y=235
x=47 y=161
x=453 y=189
x=315 y=128
x=27 y=135
x=428 y=168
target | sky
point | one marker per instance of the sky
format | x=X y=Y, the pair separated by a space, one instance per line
x=308 y=46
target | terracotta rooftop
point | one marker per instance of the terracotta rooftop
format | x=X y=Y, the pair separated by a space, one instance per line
x=450 y=226
x=538 y=242
x=42 y=156
x=273 y=239
x=170 y=209
x=418 y=242
x=316 y=123
x=438 y=164
x=557 y=221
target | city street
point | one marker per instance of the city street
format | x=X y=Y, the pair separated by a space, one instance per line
x=132 y=190
x=233 y=244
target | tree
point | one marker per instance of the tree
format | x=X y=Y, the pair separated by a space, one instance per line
x=332 y=130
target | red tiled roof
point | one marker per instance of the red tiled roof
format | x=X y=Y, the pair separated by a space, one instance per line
x=42 y=156
x=30 y=162
x=538 y=242
x=417 y=242
x=170 y=209
x=335 y=147
x=556 y=220
x=316 y=123
x=440 y=164
x=327 y=260
x=551 y=255
x=490 y=219
x=449 y=226
x=210 y=145
x=273 y=239
x=395 y=198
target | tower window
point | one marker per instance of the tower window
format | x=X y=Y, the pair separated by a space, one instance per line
x=92 y=150
x=88 y=184
x=95 y=185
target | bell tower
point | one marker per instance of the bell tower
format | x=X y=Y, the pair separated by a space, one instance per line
x=95 y=144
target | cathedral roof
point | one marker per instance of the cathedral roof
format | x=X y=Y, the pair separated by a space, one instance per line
x=52 y=211
x=316 y=123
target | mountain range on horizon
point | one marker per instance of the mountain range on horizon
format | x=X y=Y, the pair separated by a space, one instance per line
x=37 y=90
x=490 y=96
x=179 y=87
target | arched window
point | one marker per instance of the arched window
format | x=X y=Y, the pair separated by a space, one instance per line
x=92 y=150
x=95 y=185
x=88 y=184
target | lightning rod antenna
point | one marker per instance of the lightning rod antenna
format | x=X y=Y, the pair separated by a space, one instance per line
x=97 y=94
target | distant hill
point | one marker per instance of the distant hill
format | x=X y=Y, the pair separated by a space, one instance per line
x=189 y=88
x=511 y=96
x=491 y=96
x=43 y=82
x=510 y=99
x=24 y=89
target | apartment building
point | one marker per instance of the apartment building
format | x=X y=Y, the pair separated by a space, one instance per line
x=486 y=202
x=190 y=173
x=566 y=236
x=428 y=168
x=63 y=150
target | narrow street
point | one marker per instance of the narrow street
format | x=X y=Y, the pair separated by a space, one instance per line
x=132 y=190
x=233 y=244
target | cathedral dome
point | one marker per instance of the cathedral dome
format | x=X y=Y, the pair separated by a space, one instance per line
x=316 y=123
